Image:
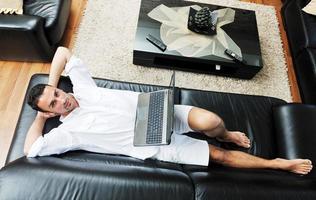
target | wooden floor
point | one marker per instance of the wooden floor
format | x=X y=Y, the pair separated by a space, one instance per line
x=14 y=76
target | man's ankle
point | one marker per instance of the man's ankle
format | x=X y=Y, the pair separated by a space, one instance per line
x=276 y=163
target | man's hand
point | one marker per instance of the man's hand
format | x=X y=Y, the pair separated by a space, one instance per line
x=36 y=129
x=46 y=115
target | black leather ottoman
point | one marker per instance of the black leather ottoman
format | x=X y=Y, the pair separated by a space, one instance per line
x=300 y=26
x=301 y=32
x=305 y=69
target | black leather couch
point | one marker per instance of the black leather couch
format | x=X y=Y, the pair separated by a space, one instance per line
x=301 y=32
x=276 y=129
x=35 y=35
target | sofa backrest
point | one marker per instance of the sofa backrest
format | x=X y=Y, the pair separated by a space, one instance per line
x=247 y=113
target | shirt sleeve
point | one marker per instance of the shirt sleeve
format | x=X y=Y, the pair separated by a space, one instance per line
x=56 y=141
x=79 y=73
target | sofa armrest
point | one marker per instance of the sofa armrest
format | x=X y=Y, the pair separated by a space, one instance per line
x=55 y=13
x=296 y=130
x=23 y=35
x=20 y=22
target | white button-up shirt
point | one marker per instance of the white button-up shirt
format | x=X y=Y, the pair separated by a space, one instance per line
x=103 y=122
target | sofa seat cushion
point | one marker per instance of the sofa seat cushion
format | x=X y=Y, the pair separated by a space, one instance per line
x=305 y=70
x=218 y=183
x=55 y=13
x=247 y=113
x=11 y=7
x=300 y=26
x=82 y=175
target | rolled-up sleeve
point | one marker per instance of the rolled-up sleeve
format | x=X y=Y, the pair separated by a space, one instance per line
x=55 y=142
x=36 y=147
x=79 y=73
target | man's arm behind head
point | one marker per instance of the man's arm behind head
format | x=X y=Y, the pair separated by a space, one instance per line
x=61 y=57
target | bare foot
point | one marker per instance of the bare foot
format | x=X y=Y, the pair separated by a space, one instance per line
x=298 y=166
x=236 y=137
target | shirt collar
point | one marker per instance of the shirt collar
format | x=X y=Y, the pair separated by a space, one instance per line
x=70 y=115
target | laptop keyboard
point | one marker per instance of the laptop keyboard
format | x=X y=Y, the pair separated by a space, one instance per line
x=155 y=118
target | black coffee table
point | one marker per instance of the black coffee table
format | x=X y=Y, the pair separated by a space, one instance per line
x=243 y=31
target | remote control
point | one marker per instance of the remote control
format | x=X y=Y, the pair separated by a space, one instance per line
x=156 y=42
x=234 y=56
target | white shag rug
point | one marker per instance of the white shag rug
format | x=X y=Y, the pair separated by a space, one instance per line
x=105 y=39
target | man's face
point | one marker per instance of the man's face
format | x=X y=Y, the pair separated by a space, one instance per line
x=56 y=101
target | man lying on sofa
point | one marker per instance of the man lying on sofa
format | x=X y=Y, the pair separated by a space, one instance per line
x=102 y=120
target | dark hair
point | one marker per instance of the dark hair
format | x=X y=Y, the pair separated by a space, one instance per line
x=34 y=95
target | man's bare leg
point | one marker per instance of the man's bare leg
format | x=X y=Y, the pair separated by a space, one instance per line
x=240 y=159
x=213 y=126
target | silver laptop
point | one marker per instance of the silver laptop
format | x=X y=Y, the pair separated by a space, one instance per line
x=154 y=117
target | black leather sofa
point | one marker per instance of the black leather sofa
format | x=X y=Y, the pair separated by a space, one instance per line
x=276 y=129
x=35 y=35
x=301 y=32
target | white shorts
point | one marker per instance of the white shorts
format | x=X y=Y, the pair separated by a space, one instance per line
x=183 y=149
